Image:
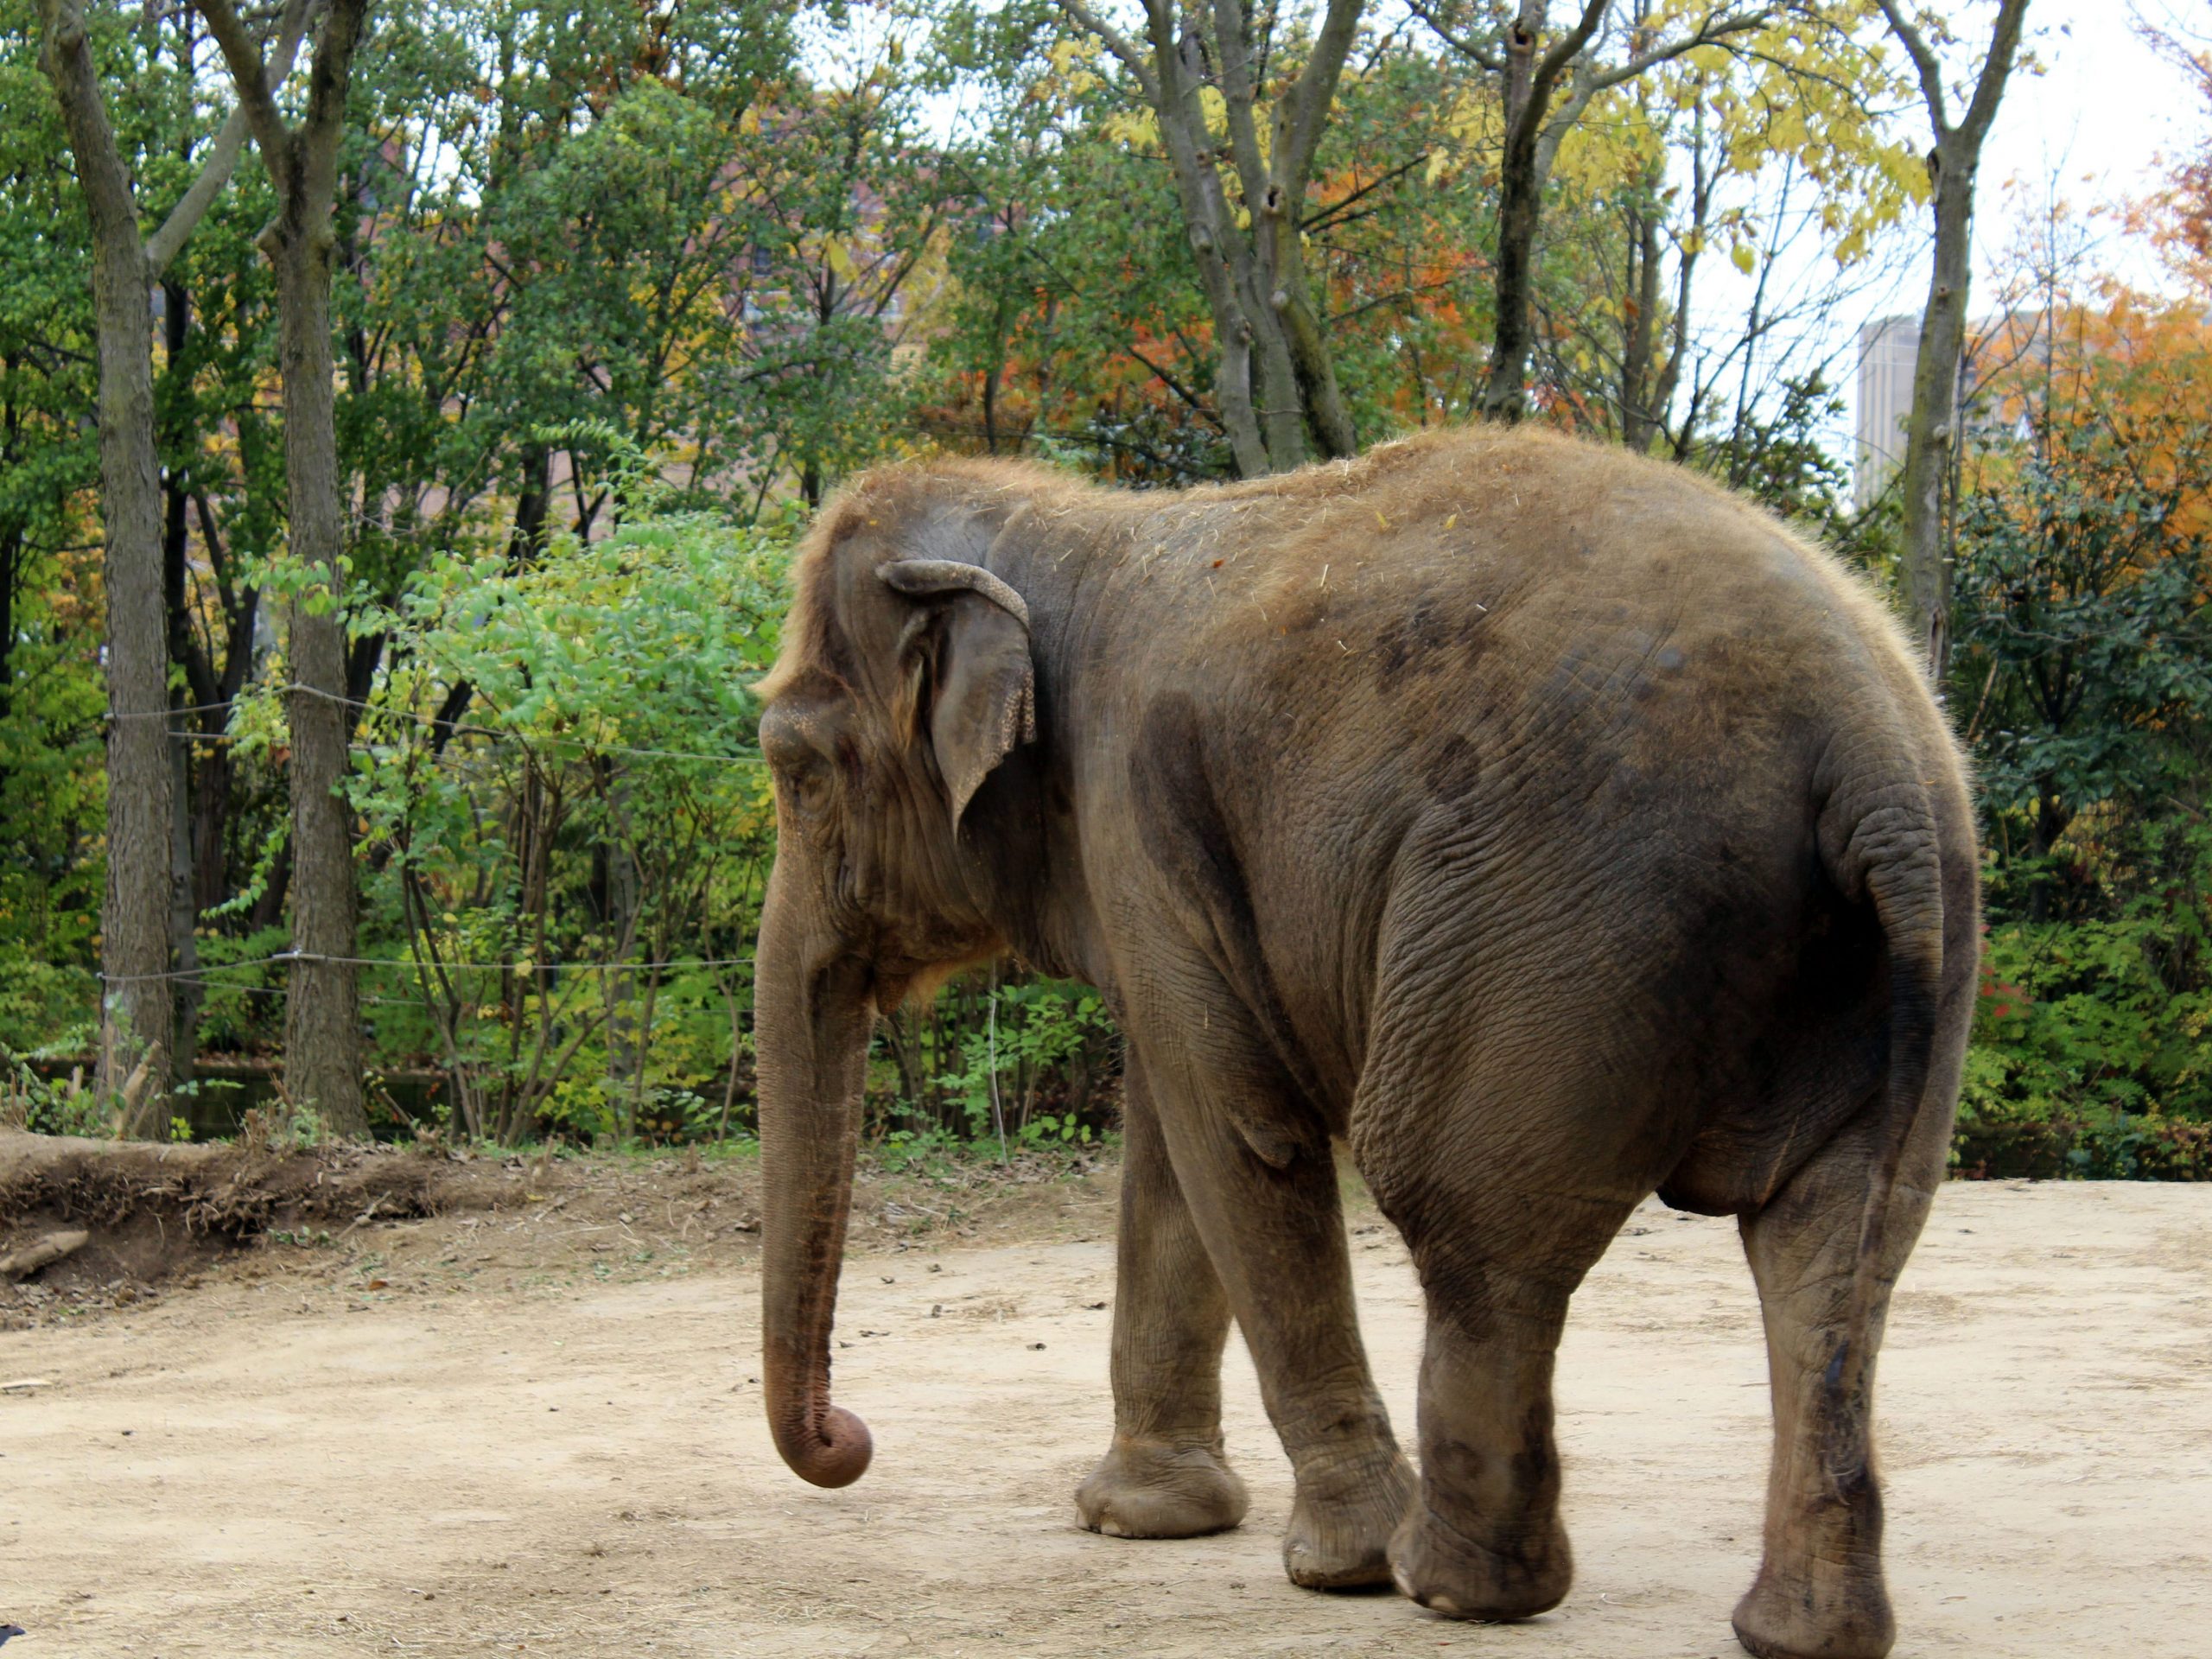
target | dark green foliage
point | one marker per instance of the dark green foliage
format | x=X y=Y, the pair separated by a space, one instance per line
x=2083 y=677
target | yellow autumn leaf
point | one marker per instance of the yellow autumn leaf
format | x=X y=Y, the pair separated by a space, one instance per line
x=1745 y=257
x=1134 y=129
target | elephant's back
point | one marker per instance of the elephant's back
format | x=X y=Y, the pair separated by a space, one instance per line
x=1503 y=594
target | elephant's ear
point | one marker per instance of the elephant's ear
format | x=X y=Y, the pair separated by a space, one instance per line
x=972 y=675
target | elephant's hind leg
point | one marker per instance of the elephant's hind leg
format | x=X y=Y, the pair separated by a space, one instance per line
x=1485 y=1539
x=1509 y=1167
x=1820 y=1593
x=1165 y=1476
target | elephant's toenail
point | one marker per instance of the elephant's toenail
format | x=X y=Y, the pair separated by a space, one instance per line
x=1405 y=1585
x=1442 y=1604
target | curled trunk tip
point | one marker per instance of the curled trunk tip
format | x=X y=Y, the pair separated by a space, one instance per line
x=833 y=1450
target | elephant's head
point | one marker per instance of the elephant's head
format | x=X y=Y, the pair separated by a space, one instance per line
x=903 y=682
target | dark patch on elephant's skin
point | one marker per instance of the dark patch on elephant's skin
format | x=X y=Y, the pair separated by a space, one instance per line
x=1535 y=1465
x=1410 y=644
x=1188 y=837
x=1177 y=815
x=1452 y=770
x=1661 y=671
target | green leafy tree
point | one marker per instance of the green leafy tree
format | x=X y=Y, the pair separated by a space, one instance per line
x=611 y=740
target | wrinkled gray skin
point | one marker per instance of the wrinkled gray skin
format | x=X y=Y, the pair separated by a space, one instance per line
x=1548 y=825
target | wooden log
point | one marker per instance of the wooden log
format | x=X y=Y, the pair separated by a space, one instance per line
x=43 y=1252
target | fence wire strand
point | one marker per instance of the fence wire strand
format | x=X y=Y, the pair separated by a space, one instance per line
x=201 y=974
x=584 y=744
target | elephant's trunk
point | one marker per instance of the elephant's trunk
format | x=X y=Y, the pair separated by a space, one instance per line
x=812 y=1016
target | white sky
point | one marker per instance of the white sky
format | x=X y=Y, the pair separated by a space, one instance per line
x=2106 y=108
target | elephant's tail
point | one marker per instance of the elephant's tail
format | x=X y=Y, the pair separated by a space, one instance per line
x=1879 y=840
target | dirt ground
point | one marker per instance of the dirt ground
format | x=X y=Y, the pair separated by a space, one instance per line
x=530 y=1422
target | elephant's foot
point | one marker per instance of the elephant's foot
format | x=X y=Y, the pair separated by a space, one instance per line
x=1451 y=1573
x=1149 y=1489
x=1836 y=1613
x=1340 y=1528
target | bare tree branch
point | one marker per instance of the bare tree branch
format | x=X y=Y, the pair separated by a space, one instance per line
x=1710 y=32
x=328 y=77
x=1925 y=62
x=1308 y=105
x=1467 y=46
x=223 y=156
x=1237 y=97
x=256 y=100
x=101 y=170
x=1335 y=213
x=1989 y=88
x=1553 y=63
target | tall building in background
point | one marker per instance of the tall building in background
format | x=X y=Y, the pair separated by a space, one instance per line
x=1887 y=350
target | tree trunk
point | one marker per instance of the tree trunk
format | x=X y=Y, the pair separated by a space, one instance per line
x=1520 y=195
x=135 y=917
x=1534 y=129
x=212 y=689
x=11 y=567
x=176 y=322
x=323 y=1018
x=1532 y=140
x=184 y=916
x=322 y=1025
x=211 y=825
x=134 y=913
x=1924 y=571
x=1924 y=566
x=1645 y=385
x=1274 y=382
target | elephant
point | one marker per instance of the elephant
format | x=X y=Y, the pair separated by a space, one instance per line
x=1544 y=824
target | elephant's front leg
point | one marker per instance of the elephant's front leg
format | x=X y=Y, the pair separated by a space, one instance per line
x=1165 y=1476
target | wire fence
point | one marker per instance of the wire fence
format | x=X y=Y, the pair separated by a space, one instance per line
x=209 y=976
x=582 y=744
x=225 y=976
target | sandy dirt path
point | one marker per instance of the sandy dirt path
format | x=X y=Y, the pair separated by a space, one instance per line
x=258 y=1472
